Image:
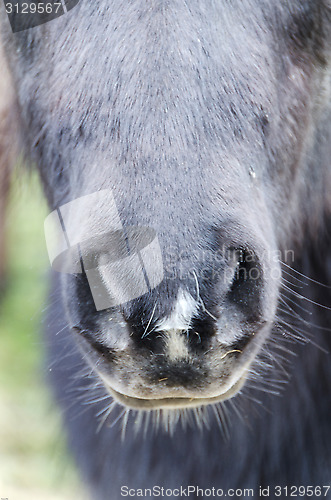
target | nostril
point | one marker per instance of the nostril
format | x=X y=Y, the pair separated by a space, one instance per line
x=202 y=328
x=94 y=342
x=246 y=286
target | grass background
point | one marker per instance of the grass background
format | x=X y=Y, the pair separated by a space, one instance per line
x=34 y=463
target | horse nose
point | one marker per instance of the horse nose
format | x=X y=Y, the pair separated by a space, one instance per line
x=225 y=303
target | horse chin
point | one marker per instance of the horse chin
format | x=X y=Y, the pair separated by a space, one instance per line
x=170 y=403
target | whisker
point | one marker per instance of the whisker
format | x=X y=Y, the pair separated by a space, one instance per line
x=199 y=299
x=125 y=423
x=262 y=389
x=296 y=316
x=284 y=298
x=149 y=322
x=304 y=276
x=284 y=280
x=220 y=418
x=301 y=336
x=297 y=294
x=109 y=409
x=114 y=422
x=95 y=400
x=294 y=277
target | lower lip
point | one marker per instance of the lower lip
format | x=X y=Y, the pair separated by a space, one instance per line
x=173 y=403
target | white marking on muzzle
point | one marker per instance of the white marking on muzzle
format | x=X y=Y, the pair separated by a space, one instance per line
x=176 y=323
x=176 y=345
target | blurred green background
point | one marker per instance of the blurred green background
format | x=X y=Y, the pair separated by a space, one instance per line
x=34 y=463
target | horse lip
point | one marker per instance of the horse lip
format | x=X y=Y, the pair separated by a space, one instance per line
x=172 y=402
